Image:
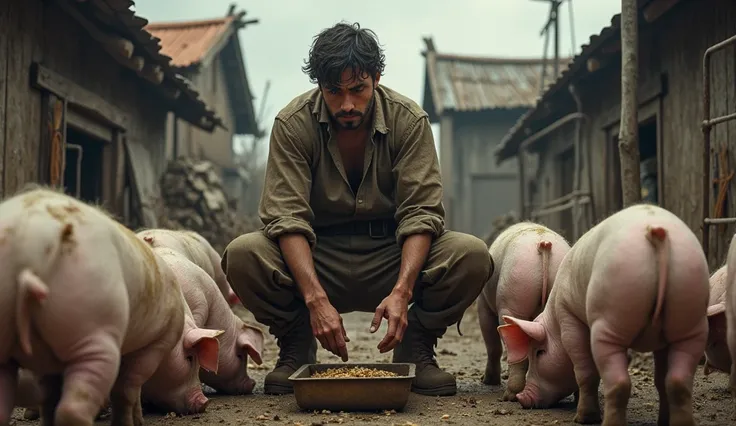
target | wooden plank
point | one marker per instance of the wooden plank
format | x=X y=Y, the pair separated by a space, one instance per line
x=19 y=98
x=143 y=183
x=90 y=126
x=35 y=27
x=657 y=8
x=51 y=158
x=80 y=97
x=654 y=88
x=4 y=65
x=118 y=178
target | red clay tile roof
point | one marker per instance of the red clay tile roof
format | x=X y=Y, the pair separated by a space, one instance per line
x=187 y=42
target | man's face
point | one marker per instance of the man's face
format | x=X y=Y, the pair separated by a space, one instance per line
x=350 y=103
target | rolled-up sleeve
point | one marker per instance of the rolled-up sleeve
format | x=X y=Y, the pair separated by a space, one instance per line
x=418 y=180
x=284 y=207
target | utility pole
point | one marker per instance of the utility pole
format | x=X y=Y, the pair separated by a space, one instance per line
x=553 y=24
x=628 y=137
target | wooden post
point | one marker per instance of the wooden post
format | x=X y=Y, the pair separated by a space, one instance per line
x=628 y=138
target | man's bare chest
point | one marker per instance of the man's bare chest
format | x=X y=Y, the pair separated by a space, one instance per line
x=352 y=152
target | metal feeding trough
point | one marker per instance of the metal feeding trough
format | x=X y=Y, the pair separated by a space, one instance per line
x=353 y=393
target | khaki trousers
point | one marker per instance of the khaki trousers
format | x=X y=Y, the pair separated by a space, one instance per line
x=357 y=272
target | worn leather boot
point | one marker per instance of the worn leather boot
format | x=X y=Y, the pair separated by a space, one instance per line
x=417 y=348
x=297 y=348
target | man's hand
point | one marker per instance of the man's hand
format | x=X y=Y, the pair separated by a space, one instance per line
x=328 y=328
x=394 y=308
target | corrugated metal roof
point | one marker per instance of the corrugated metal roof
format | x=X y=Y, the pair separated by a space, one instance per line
x=510 y=143
x=463 y=83
x=117 y=14
x=188 y=42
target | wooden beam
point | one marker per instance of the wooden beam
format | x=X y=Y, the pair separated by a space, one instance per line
x=109 y=43
x=628 y=140
x=152 y=73
x=119 y=5
x=44 y=78
x=137 y=63
x=169 y=91
x=243 y=24
x=657 y=8
x=120 y=46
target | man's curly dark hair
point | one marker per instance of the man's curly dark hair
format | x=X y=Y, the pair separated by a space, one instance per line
x=341 y=47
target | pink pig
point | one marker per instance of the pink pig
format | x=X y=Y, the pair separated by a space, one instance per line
x=29 y=394
x=527 y=256
x=717 y=356
x=175 y=385
x=210 y=310
x=195 y=248
x=85 y=300
x=637 y=280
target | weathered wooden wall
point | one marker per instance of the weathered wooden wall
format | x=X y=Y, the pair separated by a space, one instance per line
x=664 y=48
x=39 y=31
x=197 y=143
x=475 y=175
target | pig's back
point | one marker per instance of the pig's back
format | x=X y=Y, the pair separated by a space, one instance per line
x=625 y=278
x=519 y=260
x=186 y=244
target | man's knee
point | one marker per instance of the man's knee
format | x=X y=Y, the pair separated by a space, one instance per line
x=471 y=258
x=248 y=255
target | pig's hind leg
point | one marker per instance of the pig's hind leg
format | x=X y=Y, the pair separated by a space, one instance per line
x=51 y=385
x=676 y=372
x=612 y=362
x=8 y=384
x=88 y=379
x=136 y=368
x=576 y=342
x=488 y=322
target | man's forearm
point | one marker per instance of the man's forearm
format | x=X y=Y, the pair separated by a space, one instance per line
x=298 y=258
x=413 y=256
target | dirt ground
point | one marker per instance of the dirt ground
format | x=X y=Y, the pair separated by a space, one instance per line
x=474 y=403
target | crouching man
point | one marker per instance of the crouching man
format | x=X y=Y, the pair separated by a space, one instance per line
x=354 y=221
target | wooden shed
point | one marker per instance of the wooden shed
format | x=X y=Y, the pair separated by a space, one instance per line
x=476 y=100
x=208 y=52
x=582 y=109
x=84 y=94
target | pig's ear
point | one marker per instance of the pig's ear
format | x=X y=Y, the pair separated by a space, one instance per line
x=204 y=342
x=517 y=335
x=250 y=341
x=716 y=309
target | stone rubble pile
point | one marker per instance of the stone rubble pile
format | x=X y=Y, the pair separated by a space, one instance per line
x=194 y=199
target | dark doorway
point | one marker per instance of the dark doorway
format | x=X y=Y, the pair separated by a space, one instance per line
x=83 y=168
x=648 y=160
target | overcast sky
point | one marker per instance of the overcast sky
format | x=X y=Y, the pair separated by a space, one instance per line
x=275 y=48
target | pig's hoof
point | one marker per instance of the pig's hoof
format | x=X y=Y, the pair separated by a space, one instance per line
x=31 y=414
x=69 y=417
x=491 y=378
x=509 y=396
x=589 y=417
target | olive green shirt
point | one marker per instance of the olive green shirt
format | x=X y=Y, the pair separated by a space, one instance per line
x=306 y=185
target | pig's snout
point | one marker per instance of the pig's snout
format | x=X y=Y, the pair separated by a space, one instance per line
x=525 y=399
x=529 y=397
x=197 y=402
